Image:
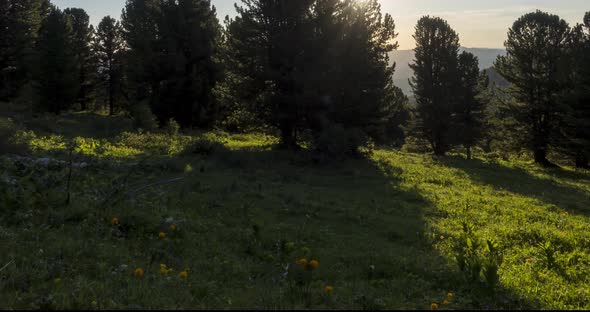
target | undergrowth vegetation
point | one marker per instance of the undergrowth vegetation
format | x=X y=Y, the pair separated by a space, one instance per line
x=129 y=219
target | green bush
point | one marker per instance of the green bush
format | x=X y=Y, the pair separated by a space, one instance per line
x=338 y=142
x=416 y=145
x=172 y=127
x=143 y=118
x=204 y=147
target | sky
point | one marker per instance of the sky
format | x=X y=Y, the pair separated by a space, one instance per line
x=480 y=24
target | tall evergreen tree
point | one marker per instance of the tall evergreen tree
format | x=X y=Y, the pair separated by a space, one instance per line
x=83 y=34
x=576 y=120
x=319 y=65
x=56 y=76
x=470 y=110
x=366 y=97
x=435 y=82
x=22 y=21
x=140 y=20
x=190 y=34
x=173 y=51
x=536 y=48
x=269 y=38
x=108 y=47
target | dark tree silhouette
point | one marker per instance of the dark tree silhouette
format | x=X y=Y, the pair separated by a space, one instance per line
x=56 y=77
x=536 y=47
x=108 y=47
x=83 y=34
x=435 y=81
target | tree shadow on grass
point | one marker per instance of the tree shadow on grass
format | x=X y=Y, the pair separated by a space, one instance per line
x=519 y=181
x=370 y=233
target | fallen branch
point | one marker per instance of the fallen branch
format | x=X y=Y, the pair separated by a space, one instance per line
x=4 y=267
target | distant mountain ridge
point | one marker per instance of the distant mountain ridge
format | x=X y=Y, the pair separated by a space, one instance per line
x=403 y=58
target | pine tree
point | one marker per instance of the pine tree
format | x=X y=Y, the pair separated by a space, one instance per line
x=22 y=21
x=575 y=139
x=318 y=66
x=269 y=39
x=83 y=34
x=536 y=48
x=190 y=34
x=108 y=47
x=435 y=82
x=470 y=110
x=140 y=20
x=366 y=97
x=173 y=58
x=56 y=76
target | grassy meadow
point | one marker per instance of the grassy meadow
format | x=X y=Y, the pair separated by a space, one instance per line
x=98 y=216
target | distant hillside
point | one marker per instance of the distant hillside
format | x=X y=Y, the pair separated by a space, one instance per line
x=405 y=57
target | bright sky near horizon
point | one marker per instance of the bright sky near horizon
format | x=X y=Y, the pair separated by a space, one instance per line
x=480 y=24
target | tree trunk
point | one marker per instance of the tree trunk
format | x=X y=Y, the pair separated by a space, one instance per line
x=487 y=147
x=439 y=151
x=541 y=158
x=288 y=140
x=469 y=155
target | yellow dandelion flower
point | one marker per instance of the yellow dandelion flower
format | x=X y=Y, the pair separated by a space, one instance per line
x=115 y=221
x=164 y=271
x=328 y=290
x=434 y=306
x=450 y=295
x=162 y=235
x=314 y=264
x=172 y=227
x=139 y=272
x=163 y=266
x=183 y=274
x=446 y=302
x=302 y=262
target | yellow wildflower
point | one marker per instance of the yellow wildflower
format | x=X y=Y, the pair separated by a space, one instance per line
x=139 y=272
x=172 y=227
x=434 y=306
x=328 y=290
x=450 y=295
x=446 y=302
x=313 y=264
x=442 y=237
x=183 y=274
x=162 y=235
x=302 y=262
x=115 y=221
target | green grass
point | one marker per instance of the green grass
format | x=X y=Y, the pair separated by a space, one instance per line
x=382 y=228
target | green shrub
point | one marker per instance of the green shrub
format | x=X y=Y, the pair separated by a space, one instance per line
x=416 y=145
x=143 y=118
x=172 y=127
x=337 y=142
x=204 y=147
